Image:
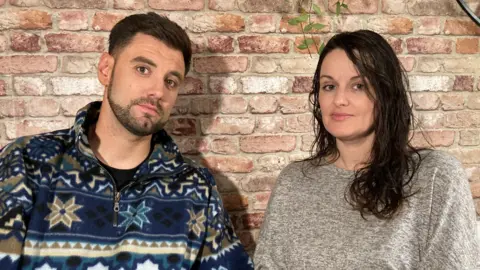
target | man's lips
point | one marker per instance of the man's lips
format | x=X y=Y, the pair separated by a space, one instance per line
x=149 y=108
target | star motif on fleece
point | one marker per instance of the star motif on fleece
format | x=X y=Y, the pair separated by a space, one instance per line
x=148 y=265
x=195 y=223
x=63 y=213
x=46 y=266
x=135 y=216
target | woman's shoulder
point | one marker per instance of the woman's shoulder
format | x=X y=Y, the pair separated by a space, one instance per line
x=439 y=160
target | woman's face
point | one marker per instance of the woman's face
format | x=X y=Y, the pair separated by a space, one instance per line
x=346 y=107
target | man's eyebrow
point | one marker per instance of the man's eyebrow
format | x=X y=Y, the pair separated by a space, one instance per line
x=177 y=74
x=144 y=60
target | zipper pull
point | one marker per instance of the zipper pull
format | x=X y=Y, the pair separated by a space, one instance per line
x=116 y=208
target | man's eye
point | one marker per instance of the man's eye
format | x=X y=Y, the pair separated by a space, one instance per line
x=171 y=83
x=143 y=70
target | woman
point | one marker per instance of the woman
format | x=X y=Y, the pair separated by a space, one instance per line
x=367 y=199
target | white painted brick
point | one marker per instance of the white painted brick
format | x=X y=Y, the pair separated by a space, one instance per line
x=254 y=85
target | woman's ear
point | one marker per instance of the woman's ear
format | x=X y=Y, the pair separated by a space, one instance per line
x=105 y=68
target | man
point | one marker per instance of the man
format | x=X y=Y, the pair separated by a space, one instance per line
x=113 y=192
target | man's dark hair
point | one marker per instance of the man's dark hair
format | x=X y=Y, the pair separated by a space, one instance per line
x=381 y=187
x=153 y=25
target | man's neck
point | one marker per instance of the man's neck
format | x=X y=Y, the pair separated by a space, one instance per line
x=116 y=146
x=354 y=154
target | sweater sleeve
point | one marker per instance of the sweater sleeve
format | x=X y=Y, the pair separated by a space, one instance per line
x=452 y=241
x=15 y=205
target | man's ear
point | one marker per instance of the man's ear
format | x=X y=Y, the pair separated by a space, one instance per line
x=105 y=68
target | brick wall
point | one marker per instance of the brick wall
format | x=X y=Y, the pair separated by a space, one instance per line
x=244 y=109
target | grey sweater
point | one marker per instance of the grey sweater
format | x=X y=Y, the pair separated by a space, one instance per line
x=309 y=225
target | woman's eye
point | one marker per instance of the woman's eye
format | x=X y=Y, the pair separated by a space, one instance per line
x=358 y=86
x=143 y=70
x=328 y=87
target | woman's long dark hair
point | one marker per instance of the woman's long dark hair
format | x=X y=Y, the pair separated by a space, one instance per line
x=380 y=187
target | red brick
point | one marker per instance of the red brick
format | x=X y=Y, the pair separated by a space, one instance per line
x=430 y=120
x=271 y=163
x=434 y=7
x=74 y=43
x=18 y=64
x=408 y=62
x=263 y=44
x=467 y=45
x=191 y=146
x=469 y=137
x=263 y=104
x=227 y=182
x=12 y=108
x=460 y=27
x=475 y=188
x=2 y=2
x=3 y=88
x=462 y=119
x=247 y=240
x=355 y=6
x=452 y=101
x=217 y=23
x=128 y=4
x=300 y=123
x=224 y=145
x=182 y=126
x=233 y=105
x=312 y=49
x=307 y=141
x=233 y=202
x=425 y=101
x=25 y=19
x=269 y=124
x=259 y=182
x=262 y=23
x=220 y=44
x=436 y=138
x=3 y=43
x=396 y=44
x=198 y=44
x=285 y=27
x=176 y=4
x=428 y=26
x=23 y=3
x=221 y=5
x=80 y=4
x=261 y=200
x=29 y=86
x=71 y=105
x=393 y=6
x=220 y=64
x=302 y=84
x=391 y=25
x=205 y=105
x=104 y=21
x=27 y=42
x=259 y=6
x=73 y=20
x=66 y=86
x=473 y=101
x=293 y=104
x=429 y=45
x=182 y=106
x=222 y=85
x=463 y=83
x=263 y=64
x=473 y=173
x=227 y=125
x=297 y=65
x=78 y=64
x=228 y=164
x=192 y=86
x=267 y=144
x=30 y=127
x=252 y=220
x=43 y=107
x=269 y=85
x=467 y=155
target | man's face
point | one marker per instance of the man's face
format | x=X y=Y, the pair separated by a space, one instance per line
x=144 y=84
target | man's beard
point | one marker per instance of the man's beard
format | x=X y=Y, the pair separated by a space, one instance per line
x=125 y=118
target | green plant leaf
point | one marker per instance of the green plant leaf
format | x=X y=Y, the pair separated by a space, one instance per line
x=293 y=21
x=308 y=27
x=338 y=5
x=302 y=46
x=317 y=10
x=345 y=6
x=308 y=41
x=318 y=26
x=302 y=10
x=321 y=48
x=303 y=17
